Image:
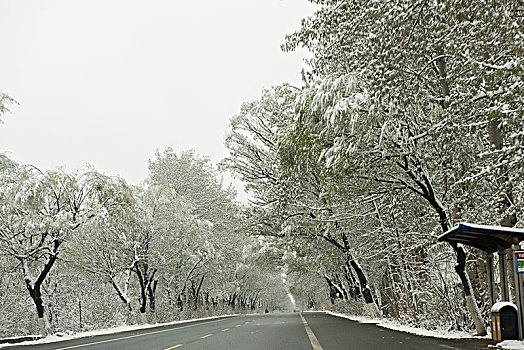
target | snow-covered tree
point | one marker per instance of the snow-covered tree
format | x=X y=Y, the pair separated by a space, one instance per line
x=39 y=212
x=432 y=89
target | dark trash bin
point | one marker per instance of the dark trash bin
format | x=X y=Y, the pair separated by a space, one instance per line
x=504 y=322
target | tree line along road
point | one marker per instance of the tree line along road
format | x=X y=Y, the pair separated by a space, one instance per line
x=315 y=330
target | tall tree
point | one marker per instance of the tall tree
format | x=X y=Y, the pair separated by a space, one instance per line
x=39 y=212
x=455 y=68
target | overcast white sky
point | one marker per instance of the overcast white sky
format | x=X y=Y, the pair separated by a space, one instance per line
x=109 y=82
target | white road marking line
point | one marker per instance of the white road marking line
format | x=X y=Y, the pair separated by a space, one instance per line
x=132 y=336
x=312 y=338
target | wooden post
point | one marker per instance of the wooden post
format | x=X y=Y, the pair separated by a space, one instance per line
x=503 y=277
x=518 y=292
x=491 y=281
x=80 y=313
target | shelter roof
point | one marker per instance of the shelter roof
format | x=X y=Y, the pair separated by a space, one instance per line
x=487 y=238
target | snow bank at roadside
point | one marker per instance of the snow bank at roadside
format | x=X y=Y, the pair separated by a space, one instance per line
x=55 y=338
x=438 y=333
x=510 y=344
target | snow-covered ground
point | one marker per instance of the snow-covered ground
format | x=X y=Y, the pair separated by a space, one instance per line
x=510 y=344
x=56 y=338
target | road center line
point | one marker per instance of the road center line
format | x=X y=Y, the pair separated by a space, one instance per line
x=225 y=329
x=132 y=336
x=205 y=336
x=312 y=338
x=174 y=347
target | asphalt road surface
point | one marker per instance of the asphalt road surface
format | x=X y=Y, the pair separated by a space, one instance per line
x=318 y=331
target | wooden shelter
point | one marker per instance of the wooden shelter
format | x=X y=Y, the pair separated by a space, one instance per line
x=491 y=239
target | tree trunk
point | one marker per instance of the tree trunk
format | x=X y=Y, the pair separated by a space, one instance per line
x=143 y=318
x=460 y=268
x=232 y=302
x=371 y=303
x=142 y=277
x=354 y=288
x=151 y=292
x=197 y=292
x=34 y=289
x=180 y=303
x=362 y=279
x=471 y=302
x=333 y=293
x=428 y=193
x=43 y=323
x=341 y=287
